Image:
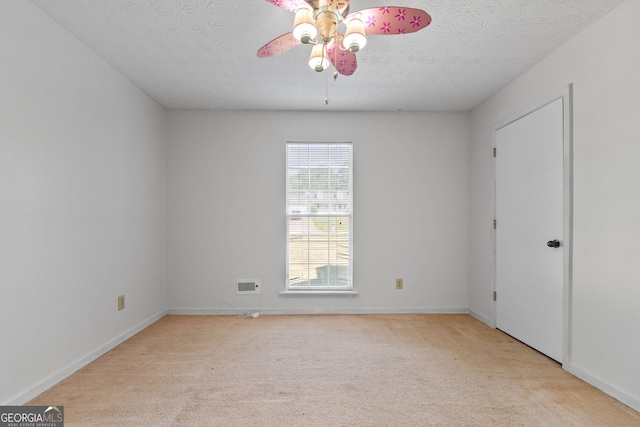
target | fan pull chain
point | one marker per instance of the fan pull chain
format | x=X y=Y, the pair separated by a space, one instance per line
x=335 y=78
x=326 y=89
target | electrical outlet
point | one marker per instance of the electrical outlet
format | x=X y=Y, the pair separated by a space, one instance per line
x=121 y=302
x=399 y=284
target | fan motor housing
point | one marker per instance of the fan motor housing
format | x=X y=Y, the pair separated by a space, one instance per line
x=335 y=4
x=326 y=22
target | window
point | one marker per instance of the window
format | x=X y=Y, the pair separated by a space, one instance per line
x=319 y=216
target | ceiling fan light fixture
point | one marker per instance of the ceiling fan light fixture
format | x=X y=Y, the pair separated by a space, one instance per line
x=304 y=27
x=316 y=23
x=355 y=37
x=318 y=61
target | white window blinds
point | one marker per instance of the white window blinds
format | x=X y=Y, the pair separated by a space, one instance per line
x=319 y=216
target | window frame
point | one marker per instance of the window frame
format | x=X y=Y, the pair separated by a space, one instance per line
x=308 y=288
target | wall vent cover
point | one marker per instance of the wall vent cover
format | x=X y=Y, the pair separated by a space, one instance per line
x=248 y=286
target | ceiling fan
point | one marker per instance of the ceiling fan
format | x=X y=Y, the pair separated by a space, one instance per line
x=316 y=23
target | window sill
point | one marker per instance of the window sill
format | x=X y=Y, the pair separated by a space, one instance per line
x=320 y=293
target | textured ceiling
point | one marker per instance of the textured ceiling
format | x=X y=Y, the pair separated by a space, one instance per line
x=201 y=54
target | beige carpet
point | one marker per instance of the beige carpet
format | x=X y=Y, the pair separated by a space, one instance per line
x=329 y=370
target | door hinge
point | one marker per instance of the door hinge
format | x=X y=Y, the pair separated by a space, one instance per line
x=495 y=150
x=495 y=223
x=495 y=296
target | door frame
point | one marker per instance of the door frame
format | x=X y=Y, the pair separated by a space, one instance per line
x=566 y=93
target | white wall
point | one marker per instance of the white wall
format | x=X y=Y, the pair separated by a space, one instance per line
x=603 y=63
x=82 y=204
x=227 y=209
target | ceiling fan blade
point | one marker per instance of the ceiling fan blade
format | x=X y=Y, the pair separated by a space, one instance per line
x=389 y=20
x=278 y=45
x=290 y=5
x=345 y=61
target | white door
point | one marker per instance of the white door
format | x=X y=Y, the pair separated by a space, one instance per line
x=529 y=219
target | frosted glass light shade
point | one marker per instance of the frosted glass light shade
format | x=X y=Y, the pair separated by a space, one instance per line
x=318 y=61
x=355 y=38
x=304 y=27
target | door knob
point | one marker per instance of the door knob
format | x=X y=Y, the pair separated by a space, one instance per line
x=553 y=243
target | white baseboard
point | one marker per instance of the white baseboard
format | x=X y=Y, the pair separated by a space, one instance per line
x=626 y=398
x=38 y=388
x=481 y=317
x=263 y=310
